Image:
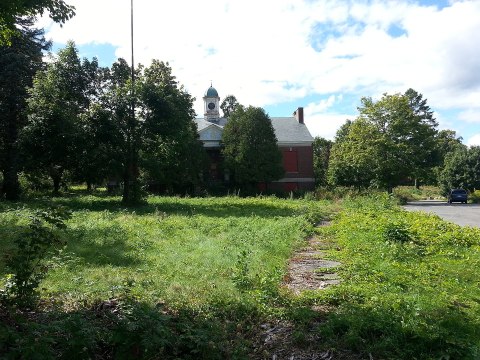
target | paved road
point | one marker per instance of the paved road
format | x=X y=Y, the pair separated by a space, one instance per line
x=461 y=214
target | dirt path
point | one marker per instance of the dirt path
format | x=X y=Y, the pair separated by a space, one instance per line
x=308 y=270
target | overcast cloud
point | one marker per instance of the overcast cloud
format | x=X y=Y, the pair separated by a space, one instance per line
x=323 y=55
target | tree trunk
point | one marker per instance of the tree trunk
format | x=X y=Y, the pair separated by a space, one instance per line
x=131 y=187
x=56 y=175
x=56 y=185
x=11 y=185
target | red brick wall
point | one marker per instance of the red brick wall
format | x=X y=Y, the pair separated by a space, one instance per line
x=304 y=161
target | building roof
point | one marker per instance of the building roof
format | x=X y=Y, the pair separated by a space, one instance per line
x=203 y=124
x=287 y=129
x=211 y=92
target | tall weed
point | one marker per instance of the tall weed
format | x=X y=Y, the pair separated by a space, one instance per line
x=409 y=287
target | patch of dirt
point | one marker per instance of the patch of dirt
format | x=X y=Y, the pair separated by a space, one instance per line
x=308 y=270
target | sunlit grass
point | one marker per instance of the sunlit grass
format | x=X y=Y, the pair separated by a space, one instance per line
x=172 y=249
x=410 y=284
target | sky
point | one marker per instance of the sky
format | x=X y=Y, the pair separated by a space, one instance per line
x=322 y=55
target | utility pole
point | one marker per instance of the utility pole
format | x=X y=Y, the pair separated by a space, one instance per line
x=131 y=189
x=131 y=36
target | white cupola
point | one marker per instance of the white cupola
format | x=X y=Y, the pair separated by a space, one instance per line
x=211 y=102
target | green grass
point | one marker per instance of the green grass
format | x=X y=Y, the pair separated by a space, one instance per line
x=194 y=278
x=185 y=273
x=174 y=250
x=410 y=193
x=410 y=288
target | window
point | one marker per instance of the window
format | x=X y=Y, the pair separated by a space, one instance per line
x=290 y=161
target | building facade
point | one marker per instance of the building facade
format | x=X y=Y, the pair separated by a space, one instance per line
x=293 y=139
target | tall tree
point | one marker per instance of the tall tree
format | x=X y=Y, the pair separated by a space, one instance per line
x=401 y=142
x=354 y=160
x=57 y=99
x=164 y=137
x=228 y=105
x=321 y=157
x=424 y=115
x=94 y=158
x=420 y=108
x=171 y=153
x=250 y=147
x=19 y=62
x=11 y=12
x=126 y=138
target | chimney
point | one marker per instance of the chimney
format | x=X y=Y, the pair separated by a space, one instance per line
x=299 y=115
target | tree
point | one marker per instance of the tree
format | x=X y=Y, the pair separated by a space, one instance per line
x=420 y=108
x=19 y=63
x=424 y=115
x=11 y=12
x=57 y=99
x=447 y=142
x=461 y=170
x=321 y=156
x=390 y=143
x=229 y=105
x=354 y=159
x=95 y=158
x=250 y=147
x=120 y=101
x=171 y=154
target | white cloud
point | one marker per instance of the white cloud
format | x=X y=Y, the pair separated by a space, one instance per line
x=474 y=140
x=269 y=52
x=322 y=121
x=470 y=115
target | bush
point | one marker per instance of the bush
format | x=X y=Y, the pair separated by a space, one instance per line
x=475 y=197
x=26 y=262
x=410 y=193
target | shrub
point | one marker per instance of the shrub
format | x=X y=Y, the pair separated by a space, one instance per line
x=27 y=261
x=475 y=197
x=396 y=232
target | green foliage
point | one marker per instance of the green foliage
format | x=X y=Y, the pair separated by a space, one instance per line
x=183 y=277
x=18 y=62
x=13 y=10
x=57 y=98
x=392 y=139
x=171 y=154
x=321 y=157
x=353 y=160
x=229 y=105
x=475 y=197
x=396 y=232
x=27 y=261
x=409 y=285
x=250 y=147
x=410 y=193
x=461 y=170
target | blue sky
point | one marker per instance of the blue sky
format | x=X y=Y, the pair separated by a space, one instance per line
x=281 y=54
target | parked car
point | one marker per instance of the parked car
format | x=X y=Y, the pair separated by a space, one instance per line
x=457 y=195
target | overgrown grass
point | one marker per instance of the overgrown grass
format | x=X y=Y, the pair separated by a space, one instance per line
x=410 y=288
x=176 y=277
x=194 y=278
x=410 y=193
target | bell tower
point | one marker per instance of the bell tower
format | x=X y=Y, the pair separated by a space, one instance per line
x=211 y=102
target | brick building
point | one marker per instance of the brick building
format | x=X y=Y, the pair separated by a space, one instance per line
x=293 y=139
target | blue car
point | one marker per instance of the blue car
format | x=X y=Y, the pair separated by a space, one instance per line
x=457 y=195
